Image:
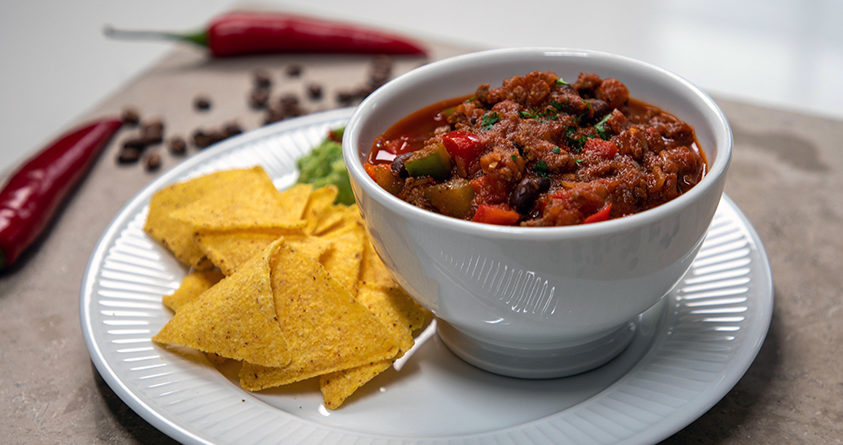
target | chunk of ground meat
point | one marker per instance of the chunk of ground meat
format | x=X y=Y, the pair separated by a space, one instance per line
x=613 y=92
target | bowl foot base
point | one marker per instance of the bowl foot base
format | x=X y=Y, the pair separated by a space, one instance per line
x=537 y=363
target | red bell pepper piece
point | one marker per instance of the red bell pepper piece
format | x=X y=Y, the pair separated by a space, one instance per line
x=604 y=149
x=495 y=214
x=239 y=33
x=600 y=215
x=490 y=189
x=36 y=189
x=463 y=144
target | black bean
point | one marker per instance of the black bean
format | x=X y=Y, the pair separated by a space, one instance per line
x=178 y=146
x=202 y=103
x=526 y=192
x=599 y=109
x=130 y=116
x=398 y=167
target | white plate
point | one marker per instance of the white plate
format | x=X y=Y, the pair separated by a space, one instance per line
x=687 y=354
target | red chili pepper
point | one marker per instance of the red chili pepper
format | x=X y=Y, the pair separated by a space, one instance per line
x=239 y=33
x=463 y=144
x=495 y=214
x=600 y=215
x=35 y=190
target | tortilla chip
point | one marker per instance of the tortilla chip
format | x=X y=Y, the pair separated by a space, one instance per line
x=326 y=328
x=229 y=249
x=295 y=199
x=402 y=316
x=372 y=270
x=337 y=386
x=343 y=261
x=191 y=287
x=236 y=319
x=312 y=247
x=248 y=201
x=320 y=201
x=176 y=235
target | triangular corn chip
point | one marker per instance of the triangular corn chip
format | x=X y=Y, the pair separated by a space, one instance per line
x=326 y=328
x=236 y=319
x=372 y=270
x=191 y=287
x=249 y=201
x=320 y=201
x=343 y=261
x=402 y=316
x=177 y=235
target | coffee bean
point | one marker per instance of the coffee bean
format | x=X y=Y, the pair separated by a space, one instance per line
x=345 y=97
x=259 y=98
x=178 y=146
x=152 y=132
x=202 y=103
x=130 y=116
x=231 y=129
x=128 y=155
x=261 y=80
x=138 y=143
x=294 y=70
x=201 y=138
x=314 y=91
x=152 y=161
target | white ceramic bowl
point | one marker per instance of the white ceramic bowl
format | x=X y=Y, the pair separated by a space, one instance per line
x=537 y=302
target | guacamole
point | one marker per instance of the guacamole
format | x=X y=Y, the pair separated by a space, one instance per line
x=324 y=165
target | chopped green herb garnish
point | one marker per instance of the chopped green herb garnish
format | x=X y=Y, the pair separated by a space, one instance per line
x=526 y=114
x=470 y=99
x=489 y=120
x=540 y=168
x=599 y=127
x=556 y=104
x=577 y=160
x=514 y=158
x=556 y=150
x=561 y=81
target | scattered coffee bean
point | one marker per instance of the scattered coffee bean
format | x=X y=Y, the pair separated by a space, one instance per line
x=293 y=70
x=202 y=103
x=152 y=132
x=273 y=114
x=178 y=146
x=130 y=116
x=202 y=139
x=314 y=91
x=261 y=80
x=128 y=155
x=231 y=129
x=345 y=97
x=138 y=143
x=152 y=161
x=259 y=98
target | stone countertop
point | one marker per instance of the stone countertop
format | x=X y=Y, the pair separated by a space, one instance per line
x=793 y=391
